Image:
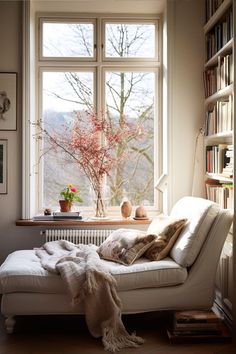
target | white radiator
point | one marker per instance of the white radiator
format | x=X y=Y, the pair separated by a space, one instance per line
x=95 y=237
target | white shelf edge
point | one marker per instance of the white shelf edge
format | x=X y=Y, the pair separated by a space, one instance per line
x=221 y=93
x=219 y=177
x=217 y=15
x=219 y=135
x=214 y=59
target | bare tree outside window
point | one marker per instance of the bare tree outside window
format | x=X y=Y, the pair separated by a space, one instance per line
x=68 y=40
x=125 y=40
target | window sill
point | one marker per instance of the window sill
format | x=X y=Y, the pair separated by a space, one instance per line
x=88 y=222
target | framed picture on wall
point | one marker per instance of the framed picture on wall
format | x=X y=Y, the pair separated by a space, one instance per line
x=3 y=166
x=8 y=99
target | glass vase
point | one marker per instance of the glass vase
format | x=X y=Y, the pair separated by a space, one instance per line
x=100 y=199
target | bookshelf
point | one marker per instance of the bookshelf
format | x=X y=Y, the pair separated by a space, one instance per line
x=219 y=87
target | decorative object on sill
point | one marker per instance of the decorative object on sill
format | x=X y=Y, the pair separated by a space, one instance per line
x=126 y=208
x=71 y=194
x=47 y=211
x=65 y=205
x=81 y=144
x=8 y=100
x=141 y=213
x=100 y=196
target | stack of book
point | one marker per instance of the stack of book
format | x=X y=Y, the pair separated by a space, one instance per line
x=220 y=34
x=197 y=325
x=57 y=215
x=219 y=117
x=221 y=193
x=218 y=77
x=219 y=159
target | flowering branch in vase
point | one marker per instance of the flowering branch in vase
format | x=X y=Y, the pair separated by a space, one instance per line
x=92 y=143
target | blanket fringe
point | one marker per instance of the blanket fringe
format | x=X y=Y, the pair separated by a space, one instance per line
x=114 y=341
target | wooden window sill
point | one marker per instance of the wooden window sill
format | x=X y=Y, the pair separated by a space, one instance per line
x=89 y=222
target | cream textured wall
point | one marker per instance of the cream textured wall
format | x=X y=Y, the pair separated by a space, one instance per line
x=185 y=42
x=186 y=97
x=11 y=236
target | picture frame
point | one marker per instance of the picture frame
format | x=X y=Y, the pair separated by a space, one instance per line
x=3 y=166
x=8 y=101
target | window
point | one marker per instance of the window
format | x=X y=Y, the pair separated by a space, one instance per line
x=130 y=40
x=68 y=39
x=103 y=65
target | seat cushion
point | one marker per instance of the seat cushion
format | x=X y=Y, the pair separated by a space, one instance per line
x=201 y=214
x=22 y=272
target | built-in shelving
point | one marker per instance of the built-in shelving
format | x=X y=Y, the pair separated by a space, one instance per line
x=219 y=177
x=219 y=136
x=219 y=144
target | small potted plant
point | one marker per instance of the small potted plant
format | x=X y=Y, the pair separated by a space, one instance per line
x=70 y=194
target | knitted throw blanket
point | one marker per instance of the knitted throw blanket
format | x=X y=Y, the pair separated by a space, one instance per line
x=89 y=281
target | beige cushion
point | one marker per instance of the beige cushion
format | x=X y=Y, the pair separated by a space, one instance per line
x=125 y=245
x=167 y=230
x=22 y=272
x=201 y=214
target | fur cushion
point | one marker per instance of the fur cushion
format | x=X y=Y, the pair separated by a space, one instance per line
x=125 y=245
x=166 y=229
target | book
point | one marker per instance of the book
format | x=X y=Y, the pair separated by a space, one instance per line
x=64 y=213
x=53 y=217
x=199 y=332
x=195 y=316
x=67 y=217
x=42 y=217
x=197 y=326
x=223 y=336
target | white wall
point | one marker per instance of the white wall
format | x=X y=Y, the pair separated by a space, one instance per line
x=105 y=6
x=185 y=61
x=185 y=111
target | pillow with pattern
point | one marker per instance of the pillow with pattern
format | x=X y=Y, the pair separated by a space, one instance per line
x=125 y=245
x=166 y=229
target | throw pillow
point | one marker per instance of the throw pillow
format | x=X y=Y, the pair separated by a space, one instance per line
x=167 y=230
x=125 y=245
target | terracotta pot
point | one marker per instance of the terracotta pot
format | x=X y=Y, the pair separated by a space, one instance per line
x=65 y=205
x=126 y=209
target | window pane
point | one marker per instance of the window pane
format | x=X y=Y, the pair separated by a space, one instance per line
x=130 y=97
x=64 y=93
x=125 y=40
x=68 y=40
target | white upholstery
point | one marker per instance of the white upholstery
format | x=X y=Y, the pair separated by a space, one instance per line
x=200 y=214
x=22 y=272
x=207 y=231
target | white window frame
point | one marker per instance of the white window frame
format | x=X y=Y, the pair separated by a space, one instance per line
x=100 y=65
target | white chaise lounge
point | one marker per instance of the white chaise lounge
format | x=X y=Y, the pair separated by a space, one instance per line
x=183 y=280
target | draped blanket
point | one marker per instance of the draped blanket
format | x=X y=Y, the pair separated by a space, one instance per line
x=89 y=281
